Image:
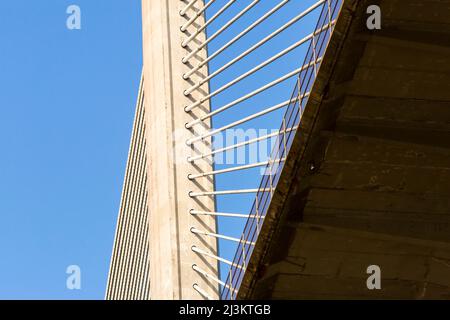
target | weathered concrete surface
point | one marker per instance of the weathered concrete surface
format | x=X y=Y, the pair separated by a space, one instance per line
x=377 y=133
x=171 y=258
x=330 y=263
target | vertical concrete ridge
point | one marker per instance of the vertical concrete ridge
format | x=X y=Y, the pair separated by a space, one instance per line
x=128 y=275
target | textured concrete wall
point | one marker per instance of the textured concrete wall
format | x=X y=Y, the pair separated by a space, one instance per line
x=331 y=263
x=129 y=271
x=171 y=258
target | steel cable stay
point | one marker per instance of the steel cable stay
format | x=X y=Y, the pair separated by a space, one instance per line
x=217 y=33
x=221 y=214
x=193 y=194
x=233 y=169
x=292 y=117
x=202 y=292
x=248 y=96
x=200 y=12
x=187 y=7
x=236 y=38
x=239 y=145
x=210 y=276
x=252 y=71
x=211 y=20
x=261 y=42
x=220 y=236
x=293 y=109
x=211 y=255
x=243 y=120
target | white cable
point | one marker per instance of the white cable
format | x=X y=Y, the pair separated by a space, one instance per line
x=247 y=96
x=220 y=236
x=239 y=168
x=221 y=214
x=208 y=254
x=217 y=33
x=259 y=67
x=241 y=144
x=266 y=39
x=202 y=292
x=221 y=193
x=188 y=6
x=198 y=14
x=238 y=37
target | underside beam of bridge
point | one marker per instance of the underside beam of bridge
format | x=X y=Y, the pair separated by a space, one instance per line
x=367 y=181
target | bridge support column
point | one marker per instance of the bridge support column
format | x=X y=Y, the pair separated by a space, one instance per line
x=171 y=259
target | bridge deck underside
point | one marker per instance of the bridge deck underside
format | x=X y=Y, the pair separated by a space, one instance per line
x=368 y=179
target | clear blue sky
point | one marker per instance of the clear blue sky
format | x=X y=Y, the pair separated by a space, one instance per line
x=67 y=103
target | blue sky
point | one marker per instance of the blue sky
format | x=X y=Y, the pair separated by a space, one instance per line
x=67 y=103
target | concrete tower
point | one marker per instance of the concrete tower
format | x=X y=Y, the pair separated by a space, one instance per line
x=167 y=233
